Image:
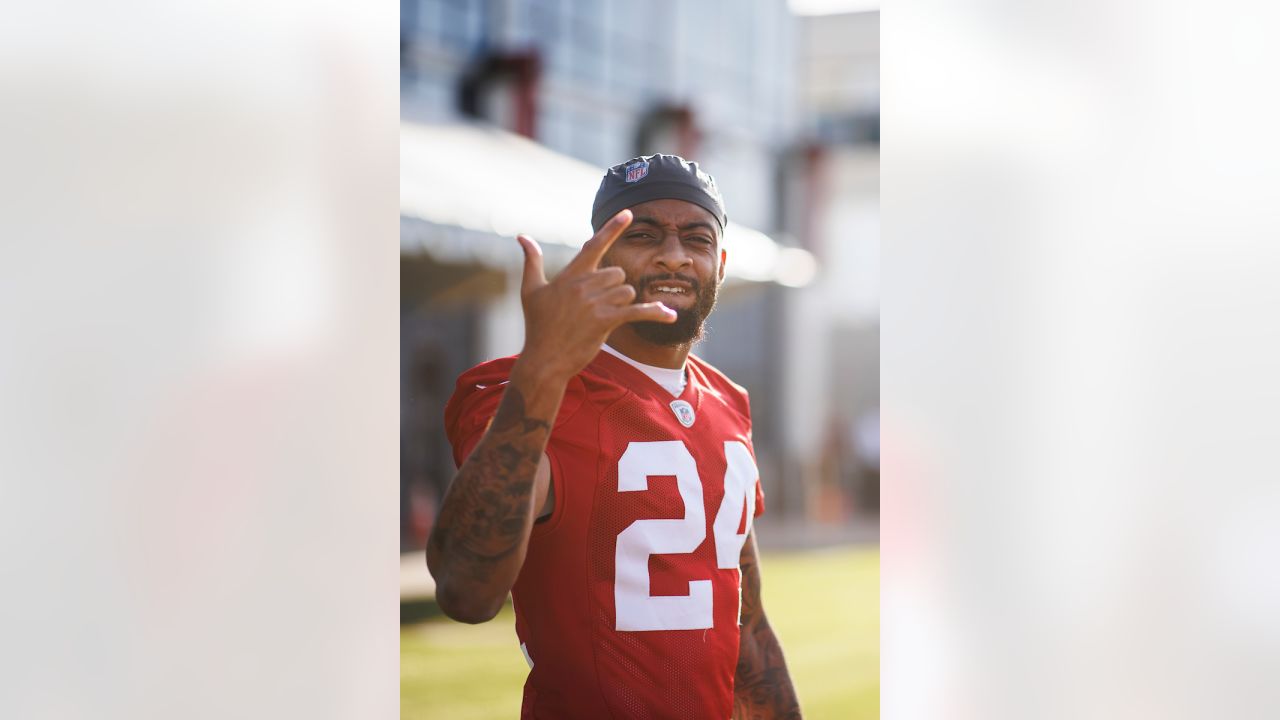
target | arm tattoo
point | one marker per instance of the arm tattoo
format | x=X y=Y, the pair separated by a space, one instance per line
x=762 y=686
x=491 y=514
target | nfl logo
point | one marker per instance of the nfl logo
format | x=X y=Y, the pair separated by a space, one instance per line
x=683 y=411
x=637 y=171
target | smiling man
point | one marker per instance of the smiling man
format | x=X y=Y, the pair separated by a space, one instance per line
x=607 y=479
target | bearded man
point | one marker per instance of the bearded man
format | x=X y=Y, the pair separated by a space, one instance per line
x=607 y=479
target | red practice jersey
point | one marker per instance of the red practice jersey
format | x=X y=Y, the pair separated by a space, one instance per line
x=628 y=602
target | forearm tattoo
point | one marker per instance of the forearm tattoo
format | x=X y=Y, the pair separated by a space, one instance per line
x=487 y=512
x=762 y=686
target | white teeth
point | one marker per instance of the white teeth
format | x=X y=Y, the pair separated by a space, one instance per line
x=664 y=289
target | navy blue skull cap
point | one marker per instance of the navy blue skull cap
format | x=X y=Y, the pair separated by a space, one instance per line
x=655 y=177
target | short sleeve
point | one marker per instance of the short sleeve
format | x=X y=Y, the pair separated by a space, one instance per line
x=476 y=399
x=759 y=498
x=476 y=422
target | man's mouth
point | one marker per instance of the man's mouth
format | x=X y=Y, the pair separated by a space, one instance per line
x=669 y=289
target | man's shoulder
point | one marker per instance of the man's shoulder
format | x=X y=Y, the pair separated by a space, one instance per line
x=489 y=378
x=484 y=380
x=733 y=394
x=486 y=374
x=713 y=377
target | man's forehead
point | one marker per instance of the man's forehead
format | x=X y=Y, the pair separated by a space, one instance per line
x=679 y=212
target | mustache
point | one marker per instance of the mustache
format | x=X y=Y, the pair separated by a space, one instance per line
x=643 y=282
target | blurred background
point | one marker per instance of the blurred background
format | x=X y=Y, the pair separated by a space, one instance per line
x=202 y=328
x=510 y=111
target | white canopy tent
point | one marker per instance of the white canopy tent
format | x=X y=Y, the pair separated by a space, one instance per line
x=467 y=189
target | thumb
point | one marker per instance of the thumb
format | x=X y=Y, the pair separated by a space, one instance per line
x=533 y=275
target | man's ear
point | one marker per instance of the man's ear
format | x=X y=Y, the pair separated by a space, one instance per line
x=723 y=255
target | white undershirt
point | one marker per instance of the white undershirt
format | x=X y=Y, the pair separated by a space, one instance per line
x=672 y=379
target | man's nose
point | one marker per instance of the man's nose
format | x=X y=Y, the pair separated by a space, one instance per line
x=673 y=255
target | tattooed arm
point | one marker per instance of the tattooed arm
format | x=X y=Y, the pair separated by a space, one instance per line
x=480 y=538
x=762 y=688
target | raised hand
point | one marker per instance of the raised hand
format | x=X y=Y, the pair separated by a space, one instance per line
x=567 y=319
x=478 y=544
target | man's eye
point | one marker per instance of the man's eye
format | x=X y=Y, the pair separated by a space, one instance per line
x=640 y=236
x=702 y=239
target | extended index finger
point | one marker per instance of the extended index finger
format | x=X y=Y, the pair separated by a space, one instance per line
x=593 y=250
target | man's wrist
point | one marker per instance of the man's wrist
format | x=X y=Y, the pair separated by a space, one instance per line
x=536 y=378
x=531 y=371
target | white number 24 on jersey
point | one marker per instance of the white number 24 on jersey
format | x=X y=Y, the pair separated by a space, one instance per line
x=636 y=608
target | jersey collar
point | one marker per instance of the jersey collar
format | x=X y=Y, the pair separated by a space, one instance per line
x=643 y=385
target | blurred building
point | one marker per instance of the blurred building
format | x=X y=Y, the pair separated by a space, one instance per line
x=840 y=100
x=521 y=104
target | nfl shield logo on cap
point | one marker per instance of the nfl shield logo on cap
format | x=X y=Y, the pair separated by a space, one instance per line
x=637 y=171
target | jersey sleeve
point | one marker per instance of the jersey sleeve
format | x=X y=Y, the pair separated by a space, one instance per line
x=759 y=498
x=475 y=401
x=480 y=411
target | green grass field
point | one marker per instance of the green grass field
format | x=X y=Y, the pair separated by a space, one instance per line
x=824 y=606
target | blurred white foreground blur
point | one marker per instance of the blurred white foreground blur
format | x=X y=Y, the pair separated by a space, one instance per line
x=1080 y=353
x=198 y=360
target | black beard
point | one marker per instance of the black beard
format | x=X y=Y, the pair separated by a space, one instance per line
x=689 y=326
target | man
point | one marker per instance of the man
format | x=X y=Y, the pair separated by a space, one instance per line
x=609 y=482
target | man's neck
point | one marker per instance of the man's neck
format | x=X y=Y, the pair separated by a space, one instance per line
x=625 y=341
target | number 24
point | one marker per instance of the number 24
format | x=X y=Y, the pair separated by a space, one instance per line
x=636 y=608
